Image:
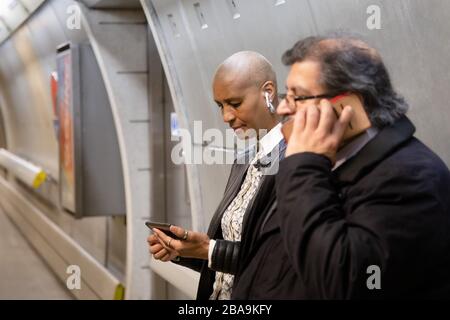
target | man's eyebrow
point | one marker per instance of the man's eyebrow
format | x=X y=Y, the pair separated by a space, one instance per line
x=298 y=89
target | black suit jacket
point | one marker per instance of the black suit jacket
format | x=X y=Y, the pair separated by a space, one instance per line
x=389 y=206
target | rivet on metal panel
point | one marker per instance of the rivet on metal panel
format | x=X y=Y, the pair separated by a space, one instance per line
x=7 y=27
x=173 y=25
x=13 y=4
x=279 y=2
x=200 y=16
x=232 y=4
x=23 y=6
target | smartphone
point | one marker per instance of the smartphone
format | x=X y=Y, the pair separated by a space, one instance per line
x=164 y=227
x=359 y=123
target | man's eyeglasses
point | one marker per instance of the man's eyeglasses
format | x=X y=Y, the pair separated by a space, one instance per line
x=291 y=98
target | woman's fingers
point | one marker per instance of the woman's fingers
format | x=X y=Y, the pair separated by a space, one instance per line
x=167 y=257
x=163 y=239
x=179 y=232
x=156 y=248
x=152 y=239
x=160 y=254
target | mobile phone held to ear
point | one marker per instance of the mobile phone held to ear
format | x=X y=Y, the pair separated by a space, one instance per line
x=358 y=124
x=164 y=227
x=360 y=121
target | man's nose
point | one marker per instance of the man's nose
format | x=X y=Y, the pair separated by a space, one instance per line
x=228 y=114
x=284 y=108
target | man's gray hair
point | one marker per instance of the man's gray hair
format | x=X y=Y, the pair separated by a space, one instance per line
x=348 y=64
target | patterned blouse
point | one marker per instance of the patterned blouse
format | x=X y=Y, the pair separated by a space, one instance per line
x=232 y=225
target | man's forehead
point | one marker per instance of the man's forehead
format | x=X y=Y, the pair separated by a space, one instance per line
x=303 y=74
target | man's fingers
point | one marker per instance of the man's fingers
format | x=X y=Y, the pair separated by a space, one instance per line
x=344 y=120
x=312 y=117
x=299 y=121
x=327 y=116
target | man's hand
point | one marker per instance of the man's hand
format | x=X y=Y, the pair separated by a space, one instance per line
x=316 y=129
x=196 y=245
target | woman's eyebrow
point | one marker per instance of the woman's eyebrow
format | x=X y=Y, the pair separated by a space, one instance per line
x=228 y=100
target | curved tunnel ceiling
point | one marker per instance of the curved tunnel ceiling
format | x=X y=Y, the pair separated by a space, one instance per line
x=112 y=4
x=13 y=13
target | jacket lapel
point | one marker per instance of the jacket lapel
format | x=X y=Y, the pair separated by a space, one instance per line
x=265 y=186
x=237 y=175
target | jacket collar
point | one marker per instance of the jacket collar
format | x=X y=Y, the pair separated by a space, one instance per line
x=387 y=140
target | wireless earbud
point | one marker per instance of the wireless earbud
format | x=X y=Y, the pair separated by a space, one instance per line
x=269 y=103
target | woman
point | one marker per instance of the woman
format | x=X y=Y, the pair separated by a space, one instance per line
x=245 y=90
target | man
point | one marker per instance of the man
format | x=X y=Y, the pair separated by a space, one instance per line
x=245 y=90
x=368 y=218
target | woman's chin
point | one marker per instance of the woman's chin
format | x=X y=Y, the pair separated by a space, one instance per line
x=245 y=134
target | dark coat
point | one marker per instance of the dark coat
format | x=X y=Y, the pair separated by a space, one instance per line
x=226 y=253
x=388 y=206
x=207 y=276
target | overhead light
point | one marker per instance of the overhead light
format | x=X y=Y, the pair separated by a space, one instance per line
x=22 y=169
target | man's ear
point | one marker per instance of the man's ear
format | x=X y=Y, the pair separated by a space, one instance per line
x=360 y=96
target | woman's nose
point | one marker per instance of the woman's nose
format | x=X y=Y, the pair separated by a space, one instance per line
x=228 y=114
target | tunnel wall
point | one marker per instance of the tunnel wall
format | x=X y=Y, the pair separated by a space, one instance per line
x=195 y=36
x=27 y=60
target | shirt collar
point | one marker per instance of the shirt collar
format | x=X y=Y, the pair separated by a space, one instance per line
x=351 y=149
x=270 y=140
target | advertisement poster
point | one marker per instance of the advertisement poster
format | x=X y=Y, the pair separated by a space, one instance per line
x=66 y=131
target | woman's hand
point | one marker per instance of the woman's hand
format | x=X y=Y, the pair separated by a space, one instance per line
x=193 y=245
x=158 y=251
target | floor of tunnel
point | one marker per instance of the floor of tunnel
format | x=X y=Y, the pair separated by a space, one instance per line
x=23 y=274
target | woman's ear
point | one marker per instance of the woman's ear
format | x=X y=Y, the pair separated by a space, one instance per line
x=269 y=87
x=269 y=92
